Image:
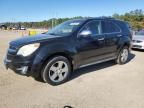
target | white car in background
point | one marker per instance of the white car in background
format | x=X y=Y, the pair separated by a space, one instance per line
x=22 y=28
x=138 y=40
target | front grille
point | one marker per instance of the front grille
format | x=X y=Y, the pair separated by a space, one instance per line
x=137 y=46
x=137 y=41
x=10 y=56
x=12 y=50
x=12 y=47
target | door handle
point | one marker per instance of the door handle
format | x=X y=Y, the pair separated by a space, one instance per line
x=101 y=39
x=119 y=35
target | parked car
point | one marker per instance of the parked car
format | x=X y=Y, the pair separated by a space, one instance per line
x=74 y=44
x=22 y=28
x=138 y=40
x=14 y=28
x=3 y=27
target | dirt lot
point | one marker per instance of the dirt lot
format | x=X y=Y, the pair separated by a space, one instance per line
x=106 y=85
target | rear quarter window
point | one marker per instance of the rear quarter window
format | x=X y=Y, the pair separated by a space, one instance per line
x=125 y=27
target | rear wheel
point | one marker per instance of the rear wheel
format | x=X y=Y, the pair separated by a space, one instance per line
x=57 y=70
x=123 y=56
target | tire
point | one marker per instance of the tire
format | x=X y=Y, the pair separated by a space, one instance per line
x=123 y=56
x=56 y=71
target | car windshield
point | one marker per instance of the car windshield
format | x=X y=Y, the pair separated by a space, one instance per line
x=140 y=33
x=66 y=28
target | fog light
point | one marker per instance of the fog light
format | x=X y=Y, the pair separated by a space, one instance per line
x=23 y=70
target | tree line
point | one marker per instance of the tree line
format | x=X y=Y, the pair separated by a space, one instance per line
x=135 y=18
x=42 y=24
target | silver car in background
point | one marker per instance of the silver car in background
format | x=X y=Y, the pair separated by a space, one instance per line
x=138 y=40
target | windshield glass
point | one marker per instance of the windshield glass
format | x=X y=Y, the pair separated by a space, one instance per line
x=66 y=28
x=140 y=33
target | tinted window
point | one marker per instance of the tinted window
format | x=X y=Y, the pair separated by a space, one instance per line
x=140 y=33
x=109 y=27
x=128 y=26
x=94 y=27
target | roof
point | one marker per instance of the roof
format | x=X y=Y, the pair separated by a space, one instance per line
x=97 y=18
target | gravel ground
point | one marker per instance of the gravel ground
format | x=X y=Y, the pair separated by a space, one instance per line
x=106 y=85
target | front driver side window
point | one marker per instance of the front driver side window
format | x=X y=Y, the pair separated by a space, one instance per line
x=94 y=27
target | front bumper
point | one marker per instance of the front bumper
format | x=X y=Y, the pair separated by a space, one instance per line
x=138 y=46
x=27 y=66
x=22 y=67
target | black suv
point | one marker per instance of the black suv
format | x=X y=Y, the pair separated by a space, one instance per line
x=71 y=45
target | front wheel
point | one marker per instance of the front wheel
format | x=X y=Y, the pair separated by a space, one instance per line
x=123 y=56
x=57 y=70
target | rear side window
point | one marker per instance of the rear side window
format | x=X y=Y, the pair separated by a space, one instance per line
x=110 y=27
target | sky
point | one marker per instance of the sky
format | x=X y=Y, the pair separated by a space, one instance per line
x=39 y=10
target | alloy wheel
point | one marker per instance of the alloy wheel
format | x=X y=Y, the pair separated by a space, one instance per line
x=124 y=55
x=58 y=71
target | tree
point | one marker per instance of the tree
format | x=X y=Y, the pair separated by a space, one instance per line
x=135 y=18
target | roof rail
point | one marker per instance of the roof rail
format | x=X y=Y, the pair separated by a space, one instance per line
x=103 y=17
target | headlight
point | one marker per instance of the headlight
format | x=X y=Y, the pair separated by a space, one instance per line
x=28 y=49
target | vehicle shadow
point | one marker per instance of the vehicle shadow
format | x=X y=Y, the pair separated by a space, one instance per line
x=94 y=68
x=138 y=50
x=131 y=57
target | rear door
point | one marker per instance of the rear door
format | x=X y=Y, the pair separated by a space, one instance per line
x=112 y=34
x=91 y=48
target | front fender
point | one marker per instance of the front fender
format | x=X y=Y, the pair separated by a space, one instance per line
x=48 y=50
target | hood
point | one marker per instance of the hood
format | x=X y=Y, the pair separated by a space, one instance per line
x=138 y=37
x=31 y=39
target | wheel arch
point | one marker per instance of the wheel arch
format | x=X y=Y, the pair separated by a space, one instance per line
x=64 y=54
x=125 y=41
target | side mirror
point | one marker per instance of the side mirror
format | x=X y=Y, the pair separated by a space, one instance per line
x=85 y=33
